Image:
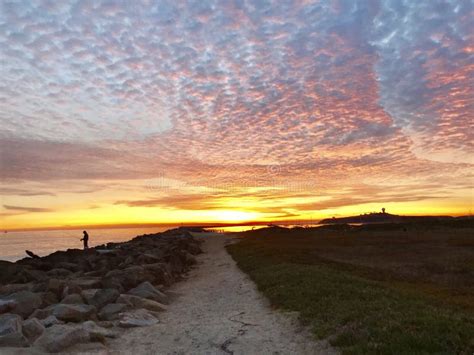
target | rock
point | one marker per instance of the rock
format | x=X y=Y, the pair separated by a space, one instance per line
x=147 y=290
x=138 y=302
x=68 y=266
x=6 y=305
x=12 y=288
x=103 y=297
x=86 y=283
x=50 y=321
x=40 y=287
x=194 y=248
x=190 y=258
x=148 y=259
x=70 y=289
x=161 y=273
x=97 y=333
x=112 y=282
x=41 y=313
x=137 y=318
x=61 y=336
x=111 y=311
x=94 y=273
x=49 y=298
x=32 y=329
x=130 y=277
x=107 y=251
x=10 y=323
x=10 y=331
x=106 y=323
x=87 y=295
x=10 y=272
x=56 y=286
x=59 y=272
x=34 y=275
x=25 y=302
x=74 y=298
x=72 y=312
x=177 y=264
x=14 y=340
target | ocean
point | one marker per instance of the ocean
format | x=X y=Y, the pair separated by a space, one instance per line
x=14 y=244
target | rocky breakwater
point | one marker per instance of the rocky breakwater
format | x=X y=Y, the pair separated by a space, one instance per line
x=75 y=296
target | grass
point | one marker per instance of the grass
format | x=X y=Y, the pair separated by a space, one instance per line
x=365 y=303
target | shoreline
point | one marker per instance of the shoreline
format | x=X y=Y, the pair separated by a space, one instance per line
x=79 y=296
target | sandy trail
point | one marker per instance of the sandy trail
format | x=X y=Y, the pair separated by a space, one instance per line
x=219 y=311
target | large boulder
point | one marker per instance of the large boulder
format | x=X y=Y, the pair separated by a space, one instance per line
x=72 y=312
x=49 y=321
x=10 y=272
x=111 y=311
x=33 y=275
x=74 y=298
x=59 y=337
x=177 y=262
x=68 y=266
x=138 y=302
x=11 y=331
x=194 y=248
x=10 y=323
x=59 y=272
x=25 y=302
x=113 y=282
x=103 y=297
x=49 y=298
x=41 y=313
x=129 y=277
x=96 y=332
x=190 y=259
x=70 y=289
x=147 y=290
x=137 y=318
x=6 y=305
x=12 y=288
x=89 y=294
x=85 y=282
x=148 y=259
x=32 y=329
x=161 y=272
x=56 y=286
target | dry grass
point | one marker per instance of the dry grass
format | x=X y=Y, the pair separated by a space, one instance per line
x=380 y=289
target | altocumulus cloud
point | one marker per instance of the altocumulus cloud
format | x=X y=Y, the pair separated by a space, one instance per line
x=216 y=92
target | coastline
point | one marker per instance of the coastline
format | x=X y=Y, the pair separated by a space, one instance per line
x=79 y=296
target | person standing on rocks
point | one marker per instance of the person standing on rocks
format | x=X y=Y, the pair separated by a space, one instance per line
x=85 y=239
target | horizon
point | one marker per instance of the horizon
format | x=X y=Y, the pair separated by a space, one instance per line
x=157 y=113
x=219 y=225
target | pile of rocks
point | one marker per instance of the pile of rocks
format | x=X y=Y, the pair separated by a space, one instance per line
x=77 y=296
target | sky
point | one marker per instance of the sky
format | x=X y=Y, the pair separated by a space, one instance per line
x=122 y=112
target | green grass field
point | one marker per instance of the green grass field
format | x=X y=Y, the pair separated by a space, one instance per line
x=380 y=291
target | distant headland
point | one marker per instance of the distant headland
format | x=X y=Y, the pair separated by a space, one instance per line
x=384 y=217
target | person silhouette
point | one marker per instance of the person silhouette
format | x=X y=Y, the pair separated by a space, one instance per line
x=85 y=239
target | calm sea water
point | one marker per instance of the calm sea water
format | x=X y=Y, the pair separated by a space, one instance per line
x=14 y=244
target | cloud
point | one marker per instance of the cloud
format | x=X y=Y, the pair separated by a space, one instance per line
x=426 y=71
x=236 y=95
x=26 y=209
x=23 y=192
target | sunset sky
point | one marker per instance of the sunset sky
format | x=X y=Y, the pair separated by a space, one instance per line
x=124 y=112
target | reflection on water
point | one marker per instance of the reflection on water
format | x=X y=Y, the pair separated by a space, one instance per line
x=235 y=229
x=246 y=228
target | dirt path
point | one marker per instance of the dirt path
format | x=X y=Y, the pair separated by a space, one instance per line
x=219 y=311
